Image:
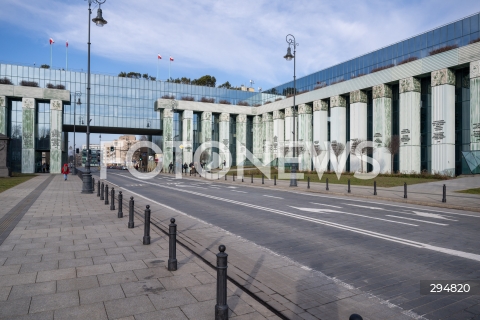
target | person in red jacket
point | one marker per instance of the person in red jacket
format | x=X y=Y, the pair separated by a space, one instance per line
x=65 y=171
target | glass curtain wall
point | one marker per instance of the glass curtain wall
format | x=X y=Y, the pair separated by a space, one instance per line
x=42 y=127
x=369 y=126
x=426 y=124
x=462 y=119
x=396 y=122
x=233 y=139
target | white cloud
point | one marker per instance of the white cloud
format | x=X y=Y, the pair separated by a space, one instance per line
x=239 y=39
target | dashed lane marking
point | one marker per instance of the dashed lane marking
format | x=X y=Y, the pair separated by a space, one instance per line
x=271 y=196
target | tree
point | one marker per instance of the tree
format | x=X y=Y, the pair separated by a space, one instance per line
x=225 y=85
x=337 y=149
x=361 y=148
x=206 y=81
x=393 y=146
x=122 y=74
x=45 y=66
x=145 y=76
x=134 y=75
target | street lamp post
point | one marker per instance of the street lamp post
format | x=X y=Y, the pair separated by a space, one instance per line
x=77 y=94
x=291 y=42
x=99 y=21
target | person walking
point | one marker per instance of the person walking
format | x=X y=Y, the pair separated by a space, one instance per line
x=185 y=167
x=224 y=163
x=65 y=171
x=170 y=167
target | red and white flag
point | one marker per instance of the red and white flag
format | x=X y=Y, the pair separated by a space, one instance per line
x=171 y=59
x=51 y=41
x=66 y=44
x=159 y=57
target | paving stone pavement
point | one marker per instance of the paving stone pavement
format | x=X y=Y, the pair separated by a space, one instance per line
x=70 y=257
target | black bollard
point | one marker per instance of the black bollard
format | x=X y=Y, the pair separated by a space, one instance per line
x=112 y=196
x=444 y=198
x=252 y=178
x=242 y=178
x=308 y=182
x=405 y=190
x=106 y=194
x=327 y=185
x=98 y=188
x=102 y=192
x=221 y=308
x=233 y=175
x=275 y=180
x=226 y=176
x=218 y=176
x=349 y=186
x=130 y=213
x=374 y=188
x=172 y=245
x=263 y=179
x=93 y=184
x=355 y=317
x=146 y=230
x=120 y=204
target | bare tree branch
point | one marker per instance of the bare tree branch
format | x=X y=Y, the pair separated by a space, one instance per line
x=393 y=146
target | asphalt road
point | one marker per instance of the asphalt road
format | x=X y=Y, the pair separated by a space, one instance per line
x=380 y=247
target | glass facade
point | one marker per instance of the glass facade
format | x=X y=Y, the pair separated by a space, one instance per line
x=462 y=119
x=452 y=35
x=426 y=125
x=42 y=124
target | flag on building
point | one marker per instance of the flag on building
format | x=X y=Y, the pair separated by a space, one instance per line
x=51 y=41
x=159 y=57
x=171 y=59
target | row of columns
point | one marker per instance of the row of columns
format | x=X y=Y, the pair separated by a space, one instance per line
x=274 y=132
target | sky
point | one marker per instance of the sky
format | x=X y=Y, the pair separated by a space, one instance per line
x=235 y=41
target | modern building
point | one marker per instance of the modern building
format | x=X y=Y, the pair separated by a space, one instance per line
x=425 y=89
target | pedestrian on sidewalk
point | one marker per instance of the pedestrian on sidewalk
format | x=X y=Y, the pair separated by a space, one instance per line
x=65 y=171
x=185 y=167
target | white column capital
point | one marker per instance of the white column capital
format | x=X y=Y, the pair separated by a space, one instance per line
x=28 y=103
x=358 y=96
x=241 y=118
x=267 y=117
x=338 y=101
x=167 y=113
x=224 y=117
x=257 y=119
x=278 y=114
x=187 y=114
x=206 y=115
x=474 y=69
x=443 y=76
x=410 y=85
x=289 y=112
x=304 y=109
x=2 y=101
x=382 y=91
x=56 y=105
x=320 y=105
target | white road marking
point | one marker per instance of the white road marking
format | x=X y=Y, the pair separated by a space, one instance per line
x=238 y=191
x=357 y=205
x=416 y=244
x=431 y=215
x=387 y=204
x=440 y=224
x=327 y=205
x=352 y=214
x=272 y=196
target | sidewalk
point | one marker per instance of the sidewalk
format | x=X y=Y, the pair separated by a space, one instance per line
x=428 y=194
x=70 y=257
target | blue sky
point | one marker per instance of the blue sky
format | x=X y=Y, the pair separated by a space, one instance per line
x=231 y=40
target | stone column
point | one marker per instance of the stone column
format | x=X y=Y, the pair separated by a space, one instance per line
x=241 y=136
x=187 y=136
x=338 y=123
x=28 y=135
x=278 y=135
x=358 y=128
x=443 y=122
x=167 y=138
x=305 y=135
x=289 y=138
x=410 y=100
x=382 y=125
x=257 y=137
x=224 y=137
x=320 y=129
x=475 y=105
x=206 y=138
x=56 y=115
x=3 y=115
x=267 y=125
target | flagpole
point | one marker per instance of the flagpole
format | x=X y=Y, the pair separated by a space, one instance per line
x=51 y=66
x=157 y=66
x=169 y=65
x=66 y=67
